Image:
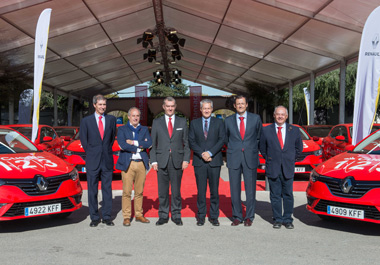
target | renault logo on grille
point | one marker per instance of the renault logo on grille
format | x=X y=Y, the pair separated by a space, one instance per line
x=42 y=183
x=347 y=185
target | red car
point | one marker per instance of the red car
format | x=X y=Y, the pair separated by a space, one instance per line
x=34 y=182
x=310 y=158
x=339 y=140
x=67 y=133
x=75 y=155
x=319 y=131
x=47 y=138
x=348 y=185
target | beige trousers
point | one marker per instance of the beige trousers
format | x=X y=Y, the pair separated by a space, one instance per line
x=134 y=175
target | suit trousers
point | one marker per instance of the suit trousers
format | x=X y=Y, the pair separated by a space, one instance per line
x=93 y=177
x=281 y=193
x=134 y=176
x=250 y=176
x=173 y=177
x=202 y=174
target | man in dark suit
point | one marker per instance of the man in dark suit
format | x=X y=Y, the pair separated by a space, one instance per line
x=280 y=145
x=133 y=162
x=206 y=139
x=170 y=155
x=242 y=135
x=97 y=134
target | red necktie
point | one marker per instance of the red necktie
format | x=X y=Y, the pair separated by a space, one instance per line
x=101 y=128
x=279 y=135
x=170 y=127
x=242 y=127
x=205 y=132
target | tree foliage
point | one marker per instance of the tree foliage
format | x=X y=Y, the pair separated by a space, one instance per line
x=162 y=90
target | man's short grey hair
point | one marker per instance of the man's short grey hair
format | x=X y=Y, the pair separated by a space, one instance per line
x=98 y=97
x=207 y=101
x=280 y=106
x=169 y=99
x=133 y=108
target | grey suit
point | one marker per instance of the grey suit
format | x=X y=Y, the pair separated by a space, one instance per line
x=169 y=153
x=242 y=157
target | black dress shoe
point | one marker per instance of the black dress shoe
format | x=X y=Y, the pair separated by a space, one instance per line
x=277 y=225
x=94 y=223
x=289 y=226
x=161 y=221
x=214 y=222
x=177 y=221
x=108 y=222
x=200 y=222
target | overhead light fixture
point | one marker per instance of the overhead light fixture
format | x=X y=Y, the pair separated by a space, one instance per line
x=174 y=39
x=176 y=81
x=176 y=53
x=150 y=55
x=176 y=73
x=146 y=39
x=157 y=74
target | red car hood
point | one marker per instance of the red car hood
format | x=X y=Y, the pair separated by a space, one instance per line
x=360 y=166
x=310 y=146
x=76 y=146
x=30 y=164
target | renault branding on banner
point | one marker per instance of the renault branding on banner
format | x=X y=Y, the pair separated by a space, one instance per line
x=41 y=39
x=367 y=79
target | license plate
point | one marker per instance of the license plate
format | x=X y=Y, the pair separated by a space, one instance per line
x=43 y=209
x=84 y=169
x=299 y=169
x=345 y=212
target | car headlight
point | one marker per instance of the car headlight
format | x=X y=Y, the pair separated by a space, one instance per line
x=74 y=175
x=318 y=152
x=67 y=152
x=314 y=176
x=2 y=182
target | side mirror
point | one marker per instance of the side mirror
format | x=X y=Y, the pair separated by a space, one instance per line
x=66 y=138
x=47 y=139
x=41 y=147
x=340 y=138
x=315 y=138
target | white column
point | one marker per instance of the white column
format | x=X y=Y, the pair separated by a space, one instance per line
x=55 y=107
x=312 y=87
x=290 y=102
x=342 y=90
x=70 y=111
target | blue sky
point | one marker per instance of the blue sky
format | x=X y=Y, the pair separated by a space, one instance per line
x=130 y=92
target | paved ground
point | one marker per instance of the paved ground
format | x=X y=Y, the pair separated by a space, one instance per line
x=43 y=240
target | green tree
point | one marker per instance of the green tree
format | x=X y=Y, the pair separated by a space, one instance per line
x=162 y=90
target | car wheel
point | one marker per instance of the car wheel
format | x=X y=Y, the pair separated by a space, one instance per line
x=328 y=218
x=60 y=215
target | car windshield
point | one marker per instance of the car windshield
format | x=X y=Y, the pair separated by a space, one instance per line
x=12 y=142
x=26 y=131
x=374 y=128
x=65 y=131
x=370 y=145
x=304 y=135
x=319 y=131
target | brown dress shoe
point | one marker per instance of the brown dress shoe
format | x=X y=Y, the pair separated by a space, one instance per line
x=247 y=222
x=127 y=222
x=236 y=222
x=142 y=219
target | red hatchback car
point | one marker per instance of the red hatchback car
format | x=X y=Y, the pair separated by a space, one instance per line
x=67 y=133
x=310 y=158
x=319 y=131
x=339 y=140
x=47 y=138
x=348 y=185
x=34 y=182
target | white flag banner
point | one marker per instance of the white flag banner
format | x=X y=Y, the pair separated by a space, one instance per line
x=307 y=103
x=41 y=39
x=367 y=79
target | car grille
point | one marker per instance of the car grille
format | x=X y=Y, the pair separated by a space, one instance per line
x=18 y=209
x=29 y=186
x=303 y=156
x=370 y=212
x=81 y=154
x=358 y=190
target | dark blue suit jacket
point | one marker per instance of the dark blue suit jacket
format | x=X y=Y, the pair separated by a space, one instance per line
x=97 y=149
x=214 y=142
x=277 y=159
x=127 y=150
x=250 y=144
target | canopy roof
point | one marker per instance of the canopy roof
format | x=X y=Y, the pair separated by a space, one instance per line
x=93 y=46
